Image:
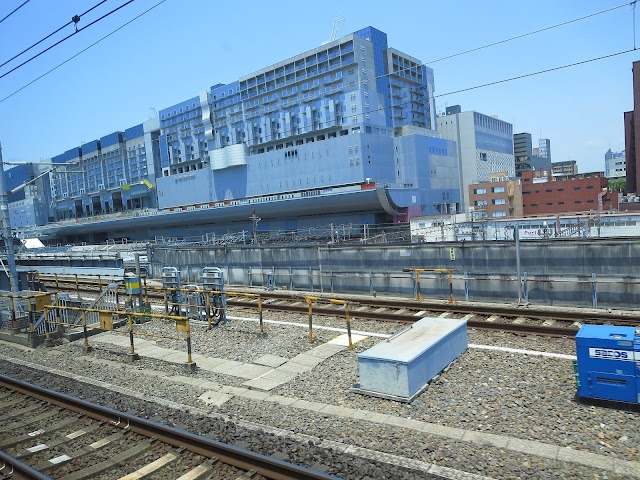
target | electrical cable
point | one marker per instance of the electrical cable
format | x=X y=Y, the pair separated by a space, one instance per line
x=51 y=34
x=78 y=30
x=14 y=11
x=499 y=42
x=81 y=51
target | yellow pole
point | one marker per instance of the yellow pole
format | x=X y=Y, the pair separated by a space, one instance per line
x=419 y=296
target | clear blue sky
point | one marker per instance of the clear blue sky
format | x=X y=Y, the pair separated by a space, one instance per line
x=182 y=47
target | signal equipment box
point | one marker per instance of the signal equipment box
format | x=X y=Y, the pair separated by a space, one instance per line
x=607 y=367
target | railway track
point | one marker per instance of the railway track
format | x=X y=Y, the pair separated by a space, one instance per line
x=46 y=434
x=515 y=319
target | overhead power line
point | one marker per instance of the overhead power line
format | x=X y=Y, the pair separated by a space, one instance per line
x=551 y=27
x=51 y=34
x=81 y=51
x=78 y=30
x=14 y=11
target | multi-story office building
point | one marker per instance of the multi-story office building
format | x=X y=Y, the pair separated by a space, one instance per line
x=525 y=159
x=500 y=196
x=568 y=167
x=342 y=133
x=485 y=145
x=542 y=193
x=106 y=176
x=615 y=165
x=544 y=149
x=28 y=186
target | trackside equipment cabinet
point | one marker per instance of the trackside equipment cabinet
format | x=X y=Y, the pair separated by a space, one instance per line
x=607 y=368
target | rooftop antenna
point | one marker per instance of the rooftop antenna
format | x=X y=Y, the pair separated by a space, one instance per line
x=334 y=30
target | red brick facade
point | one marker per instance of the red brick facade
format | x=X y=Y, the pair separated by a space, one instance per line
x=543 y=194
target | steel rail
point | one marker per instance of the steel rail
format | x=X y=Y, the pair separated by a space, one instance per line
x=19 y=470
x=547 y=330
x=562 y=314
x=238 y=457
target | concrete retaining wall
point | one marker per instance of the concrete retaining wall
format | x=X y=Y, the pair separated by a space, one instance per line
x=558 y=272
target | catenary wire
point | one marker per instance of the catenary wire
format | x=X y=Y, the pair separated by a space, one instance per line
x=81 y=51
x=66 y=38
x=51 y=34
x=14 y=11
x=551 y=27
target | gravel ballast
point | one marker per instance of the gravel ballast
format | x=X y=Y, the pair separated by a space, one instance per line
x=522 y=396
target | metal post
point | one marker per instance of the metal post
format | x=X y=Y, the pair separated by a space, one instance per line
x=290 y=279
x=137 y=257
x=452 y=299
x=309 y=302
x=6 y=229
x=525 y=287
x=331 y=281
x=466 y=286
x=594 y=291
x=77 y=286
x=84 y=331
x=260 y=313
x=418 y=292
x=516 y=236
x=132 y=352
x=189 y=358
x=346 y=314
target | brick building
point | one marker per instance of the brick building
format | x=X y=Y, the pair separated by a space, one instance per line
x=543 y=193
x=632 y=134
x=500 y=197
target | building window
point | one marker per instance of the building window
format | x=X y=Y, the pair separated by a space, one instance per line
x=480 y=203
x=497 y=189
x=499 y=201
x=480 y=191
x=499 y=213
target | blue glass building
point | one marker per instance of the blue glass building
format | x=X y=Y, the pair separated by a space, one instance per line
x=342 y=133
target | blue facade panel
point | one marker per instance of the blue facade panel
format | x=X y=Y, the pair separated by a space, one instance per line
x=134 y=132
x=379 y=41
x=90 y=147
x=164 y=151
x=114 y=138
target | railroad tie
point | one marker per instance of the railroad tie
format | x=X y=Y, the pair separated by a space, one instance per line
x=492 y=318
x=204 y=470
x=151 y=467
x=520 y=320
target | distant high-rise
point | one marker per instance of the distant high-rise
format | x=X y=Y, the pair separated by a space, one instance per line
x=566 y=167
x=544 y=148
x=485 y=146
x=526 y=159
x=632 y=133
x=614 y=164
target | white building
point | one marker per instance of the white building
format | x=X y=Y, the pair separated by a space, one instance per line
x=485 y=146
x=615 y=164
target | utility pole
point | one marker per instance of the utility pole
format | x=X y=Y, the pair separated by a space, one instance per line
x=254 y=221
x=6 y=229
